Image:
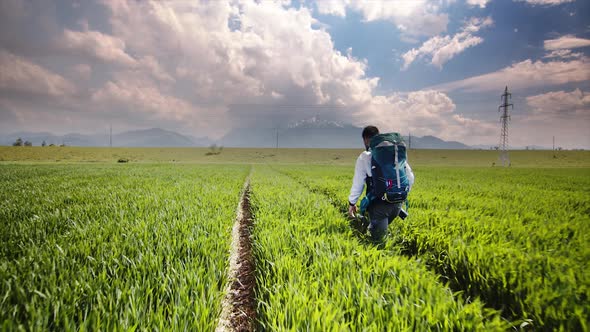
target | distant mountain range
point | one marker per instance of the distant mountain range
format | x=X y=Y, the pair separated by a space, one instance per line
x=316 y=133
x=303 y=134
x=154 y=137
x=328 y=137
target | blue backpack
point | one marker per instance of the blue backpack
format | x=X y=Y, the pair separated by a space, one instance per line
x=389 y=181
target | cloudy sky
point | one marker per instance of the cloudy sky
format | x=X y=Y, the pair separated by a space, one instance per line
x=203 y=68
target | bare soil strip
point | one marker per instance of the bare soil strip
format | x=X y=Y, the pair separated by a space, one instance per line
x=239 y=305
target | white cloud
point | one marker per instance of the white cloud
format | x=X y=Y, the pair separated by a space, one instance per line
x=21 y=76
x=524 y=74
x=131 y=96
x=480 y=3
x=267 y=56
x=14 y=8
x=269 y=52
x=563 y=114
x=96 y=44
x=412 y=18
x=151 y=65
x=82 y=71
x=546 y=2
x=141 y=97
x=22 y=116
x=410 y=56
x=423 y=113
x=561 y=103
x=190 y=66
x=27 y=27
x=566 y=42
x=441 y=49
x=335 y=8
x=563 y=54
x=570 y=133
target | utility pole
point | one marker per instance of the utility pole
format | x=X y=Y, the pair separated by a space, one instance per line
x=553 y=143
x=409 y=140
x=504 y=119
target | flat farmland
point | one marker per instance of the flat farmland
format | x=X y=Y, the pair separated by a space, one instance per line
x=89 y=243
x=459 y=158
x=515 y=238
x=101 y=247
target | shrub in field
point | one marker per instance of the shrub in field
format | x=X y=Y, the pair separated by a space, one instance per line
x=214 y=150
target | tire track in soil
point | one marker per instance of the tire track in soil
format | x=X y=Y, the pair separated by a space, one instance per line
x=239 y=305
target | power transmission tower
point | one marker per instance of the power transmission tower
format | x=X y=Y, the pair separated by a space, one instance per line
x=504 y=118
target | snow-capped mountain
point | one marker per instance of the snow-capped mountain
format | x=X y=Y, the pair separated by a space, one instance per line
x=315 y=122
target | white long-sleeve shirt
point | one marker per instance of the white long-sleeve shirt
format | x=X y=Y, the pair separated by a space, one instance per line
x=362 y=170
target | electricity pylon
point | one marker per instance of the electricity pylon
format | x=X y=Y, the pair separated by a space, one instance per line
x=504 y=119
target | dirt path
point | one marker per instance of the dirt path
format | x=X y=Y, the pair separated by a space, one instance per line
x=239 y=305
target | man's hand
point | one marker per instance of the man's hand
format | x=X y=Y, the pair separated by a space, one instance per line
x=351 y=210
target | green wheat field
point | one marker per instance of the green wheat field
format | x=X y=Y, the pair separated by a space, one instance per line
x=92 y=243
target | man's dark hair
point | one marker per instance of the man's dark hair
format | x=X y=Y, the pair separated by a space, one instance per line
x=370 y=131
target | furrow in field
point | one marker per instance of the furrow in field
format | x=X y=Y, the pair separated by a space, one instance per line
x=115 y=247
x=330 y=197
x=408 y=249
x=495 y=235
x=239 y=305
x=312 y=274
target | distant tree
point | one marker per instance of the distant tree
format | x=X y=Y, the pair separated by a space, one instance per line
x=43 y=144
x=214 y=150
x=28 y=143
x=51 y=144
x=18 y=142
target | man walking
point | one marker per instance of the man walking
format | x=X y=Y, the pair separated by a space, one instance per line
x=382 y=205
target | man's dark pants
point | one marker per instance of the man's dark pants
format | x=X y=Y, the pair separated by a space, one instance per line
x=380 y=213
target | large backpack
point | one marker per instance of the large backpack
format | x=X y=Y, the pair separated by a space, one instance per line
x=389 y=181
